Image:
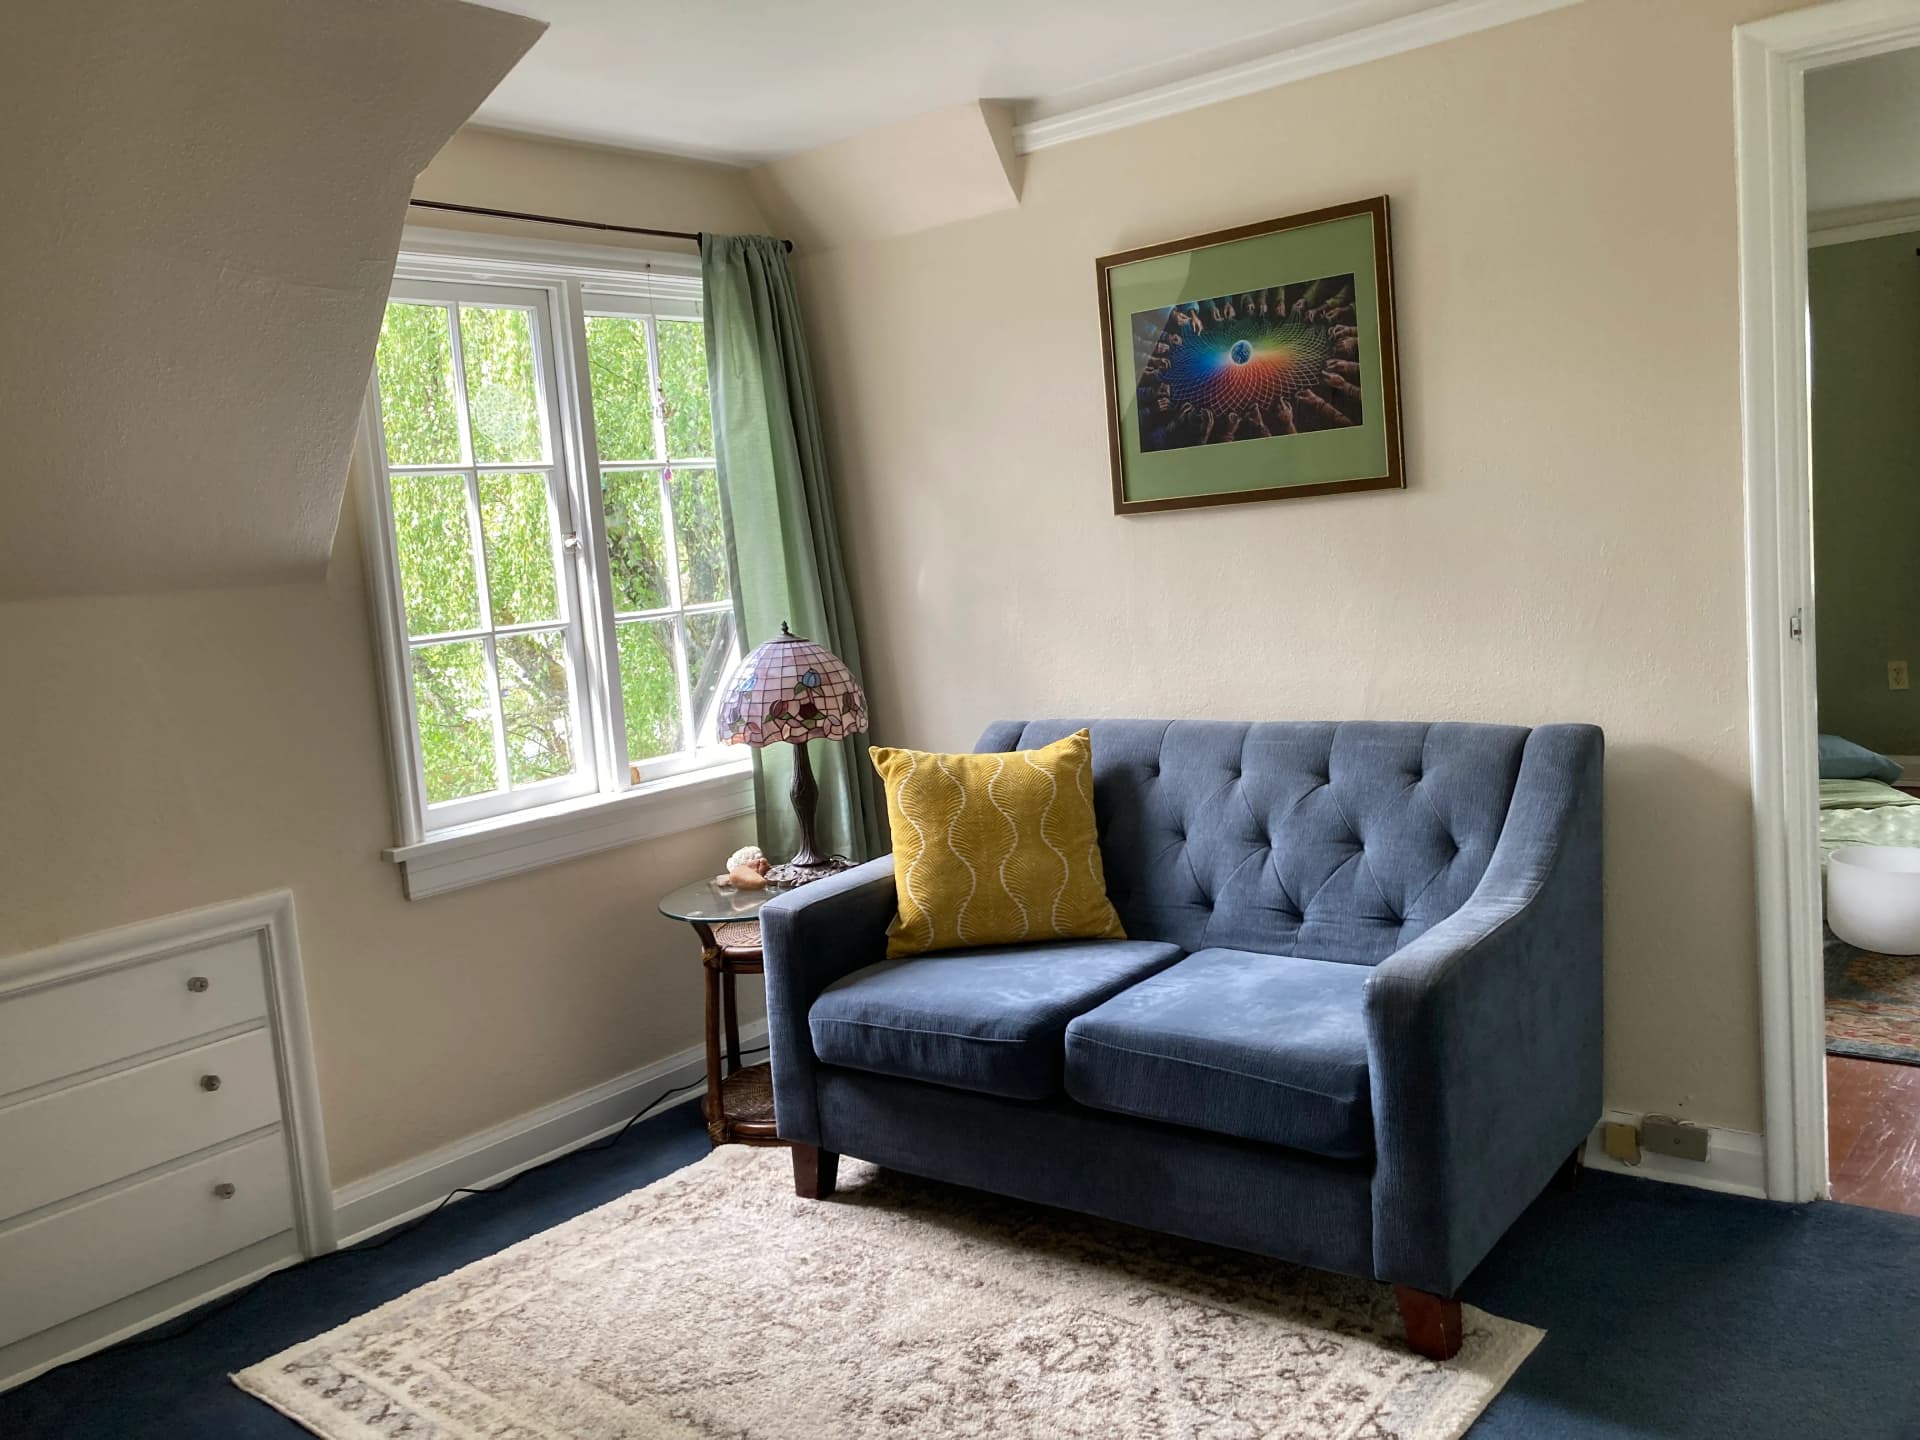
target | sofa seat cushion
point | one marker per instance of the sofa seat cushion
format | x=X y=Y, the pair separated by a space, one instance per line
x=986 y=1020
x=1266 y=1047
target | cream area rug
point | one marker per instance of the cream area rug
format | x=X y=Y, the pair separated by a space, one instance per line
x=717 y=1304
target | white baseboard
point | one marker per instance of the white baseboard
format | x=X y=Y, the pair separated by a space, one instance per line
x=1736 y=1162
x=398 y=1194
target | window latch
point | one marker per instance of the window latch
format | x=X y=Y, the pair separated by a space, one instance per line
x=571 y=540
x=1795 y=628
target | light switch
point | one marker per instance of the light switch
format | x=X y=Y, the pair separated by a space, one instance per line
x=1896 y=674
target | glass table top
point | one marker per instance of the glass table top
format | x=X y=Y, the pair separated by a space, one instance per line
x=712 y=904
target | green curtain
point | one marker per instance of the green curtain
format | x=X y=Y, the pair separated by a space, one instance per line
x=783 y=539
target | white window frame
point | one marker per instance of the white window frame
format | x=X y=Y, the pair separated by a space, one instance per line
x=562 y=506
x=445 y=847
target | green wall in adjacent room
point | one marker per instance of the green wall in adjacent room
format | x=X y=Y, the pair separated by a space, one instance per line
x=1865 y=300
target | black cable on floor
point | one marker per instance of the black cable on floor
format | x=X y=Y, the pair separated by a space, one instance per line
x=212 y=1308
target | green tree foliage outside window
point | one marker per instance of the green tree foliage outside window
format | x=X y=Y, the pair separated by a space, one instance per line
x=683 y=375
x=452 y=707
x=503 y=403
x=436 y=554
x=417 y=408
x=622 y=387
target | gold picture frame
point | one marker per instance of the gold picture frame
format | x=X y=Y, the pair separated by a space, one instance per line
x=1253 y=363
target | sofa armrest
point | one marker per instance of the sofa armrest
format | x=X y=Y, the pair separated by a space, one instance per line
x=1484 y=1034
x=811 y=937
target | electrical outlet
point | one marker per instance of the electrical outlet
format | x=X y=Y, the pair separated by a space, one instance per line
x=1896 y=674
x=1663 y=1135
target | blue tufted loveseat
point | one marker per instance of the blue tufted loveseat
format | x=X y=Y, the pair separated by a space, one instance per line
x=1356 y=1022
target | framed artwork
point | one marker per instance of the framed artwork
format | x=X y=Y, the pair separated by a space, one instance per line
x=1255 y=363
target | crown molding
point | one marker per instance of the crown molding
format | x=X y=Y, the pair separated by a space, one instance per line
x=1862 y=222
x=1337 y=52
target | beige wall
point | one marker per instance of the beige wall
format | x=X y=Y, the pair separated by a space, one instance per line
x=1864 y=301
x=172 y=751
x=584 y=182
x=1570 y=544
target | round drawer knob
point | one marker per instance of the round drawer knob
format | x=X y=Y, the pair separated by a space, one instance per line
x=209 y=1082
x=223 y=1191
x=197 y=984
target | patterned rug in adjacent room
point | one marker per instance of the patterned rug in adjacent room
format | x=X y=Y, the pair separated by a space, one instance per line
x=715 y=1303
x=1873 y=1004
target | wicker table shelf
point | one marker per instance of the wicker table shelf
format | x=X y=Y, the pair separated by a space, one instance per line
x=738 y=1105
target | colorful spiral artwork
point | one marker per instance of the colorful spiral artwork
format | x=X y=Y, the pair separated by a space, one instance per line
x=1249 y=366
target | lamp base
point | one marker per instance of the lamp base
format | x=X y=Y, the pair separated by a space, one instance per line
x=807 y=863
x=794 y=873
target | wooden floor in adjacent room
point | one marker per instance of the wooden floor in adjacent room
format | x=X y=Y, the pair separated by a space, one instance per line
x=1873 y=1133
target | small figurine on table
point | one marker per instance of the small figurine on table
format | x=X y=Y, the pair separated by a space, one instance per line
x=746 y=870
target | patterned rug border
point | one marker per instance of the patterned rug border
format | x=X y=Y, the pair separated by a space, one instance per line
x=1865 y=1022
x=1493 y=1362
x=1864 y=1050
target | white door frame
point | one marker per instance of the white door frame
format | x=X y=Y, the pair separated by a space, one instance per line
x=1770 y=61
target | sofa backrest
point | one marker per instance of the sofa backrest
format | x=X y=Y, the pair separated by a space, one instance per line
x=1328 y=841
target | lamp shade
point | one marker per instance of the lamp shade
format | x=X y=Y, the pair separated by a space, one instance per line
x=791 y=689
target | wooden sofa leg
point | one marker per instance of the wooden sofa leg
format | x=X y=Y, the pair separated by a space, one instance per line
x=813 y=1171
x=1432 y=1321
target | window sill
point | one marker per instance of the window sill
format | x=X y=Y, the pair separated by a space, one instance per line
x=489 y=849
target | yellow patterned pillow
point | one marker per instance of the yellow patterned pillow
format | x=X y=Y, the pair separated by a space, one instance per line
x=995 y=849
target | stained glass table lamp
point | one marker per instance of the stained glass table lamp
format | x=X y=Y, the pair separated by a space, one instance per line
x=794 y=690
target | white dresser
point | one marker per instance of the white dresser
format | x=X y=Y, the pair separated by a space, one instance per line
x=160 y=1137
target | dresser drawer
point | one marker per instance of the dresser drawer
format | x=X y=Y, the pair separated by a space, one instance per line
x=74 y=1139
x=64 y=1028
x=73 y=1260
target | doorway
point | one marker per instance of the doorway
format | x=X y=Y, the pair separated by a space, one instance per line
x=1863 y=308
x=1774 y=60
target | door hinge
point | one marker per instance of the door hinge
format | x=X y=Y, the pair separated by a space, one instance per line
x=1794 y=628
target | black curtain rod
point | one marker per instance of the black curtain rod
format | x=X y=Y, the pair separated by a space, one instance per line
x=692 y=235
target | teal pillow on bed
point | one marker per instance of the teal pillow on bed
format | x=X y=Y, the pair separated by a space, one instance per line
x=1844 y=760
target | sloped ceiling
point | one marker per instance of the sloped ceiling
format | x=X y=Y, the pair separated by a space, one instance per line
x=203 y=204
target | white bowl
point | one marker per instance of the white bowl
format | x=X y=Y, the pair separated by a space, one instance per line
x=1873 y=897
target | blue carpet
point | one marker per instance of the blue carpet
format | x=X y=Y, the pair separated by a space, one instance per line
x=1669 y=1312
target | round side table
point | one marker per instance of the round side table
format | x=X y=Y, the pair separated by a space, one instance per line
x=739 y=1102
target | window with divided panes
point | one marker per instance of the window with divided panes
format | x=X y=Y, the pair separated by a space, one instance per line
x=553 y=510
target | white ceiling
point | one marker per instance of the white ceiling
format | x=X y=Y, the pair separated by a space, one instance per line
x=1863 y=132
x=749 y=80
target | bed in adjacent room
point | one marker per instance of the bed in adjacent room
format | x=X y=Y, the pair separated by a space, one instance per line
x=1866 y=812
